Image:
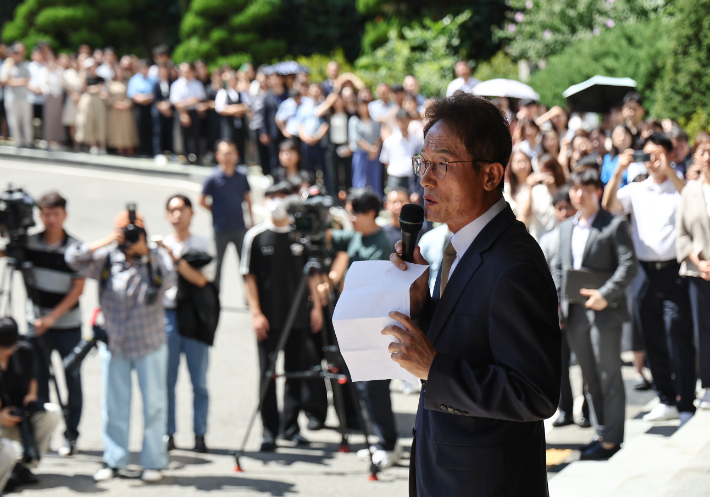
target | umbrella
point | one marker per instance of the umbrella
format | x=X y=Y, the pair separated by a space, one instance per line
x=505 y=88
x=598 y=94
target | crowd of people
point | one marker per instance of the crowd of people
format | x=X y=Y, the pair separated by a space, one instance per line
x=619 y=205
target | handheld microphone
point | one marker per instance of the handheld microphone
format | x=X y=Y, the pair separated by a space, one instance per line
x=411 y=219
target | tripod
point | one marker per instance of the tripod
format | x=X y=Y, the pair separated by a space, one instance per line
x=314 y=266
x=6 y=290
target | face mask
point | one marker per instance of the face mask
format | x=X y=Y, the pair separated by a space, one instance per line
x=276 y=207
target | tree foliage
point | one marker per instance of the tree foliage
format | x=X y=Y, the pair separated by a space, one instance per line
x=685 y=85
x=536 y=29
x=228 y=32
x=499 y=66
x=127 y=25
x=634 y=50
x=422 y=49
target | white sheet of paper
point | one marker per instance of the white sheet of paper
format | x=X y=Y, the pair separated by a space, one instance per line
x=372 y=289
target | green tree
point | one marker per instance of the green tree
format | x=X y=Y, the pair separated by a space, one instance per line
x=635 y=50
x=499 y=66
x=536 y=29
x=128 y=25
x=422 y=49
x=685 y=85
x=229 y=32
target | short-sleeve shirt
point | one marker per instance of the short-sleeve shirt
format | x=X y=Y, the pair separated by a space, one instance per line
x=373 y=247
x=653 y=211
x=180 y=248
x=15 y=71
x=397 y=152
x=15 y=380
x=227 y=194
x=276 y=261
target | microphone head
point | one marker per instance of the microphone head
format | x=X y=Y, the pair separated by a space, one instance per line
x=411 y=218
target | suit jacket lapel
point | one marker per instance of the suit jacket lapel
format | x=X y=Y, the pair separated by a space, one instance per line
x=465 y=269
x=565 y=247
x=594 y=231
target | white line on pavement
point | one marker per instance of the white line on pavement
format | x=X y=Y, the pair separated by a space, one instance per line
x=92 y=173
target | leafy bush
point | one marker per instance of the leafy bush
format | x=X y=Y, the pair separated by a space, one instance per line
x=499 y=66
x=685 y=85
x=699 y=121
x=423 y=50
x=317 y=64
x=634 y=50
x=536 y=29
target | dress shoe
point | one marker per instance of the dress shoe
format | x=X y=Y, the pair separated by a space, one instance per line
x=641 y=383
x=315 y=424
x=200 y=446
x=563 y=419
x=589 y=445
x=584 y=422
x=298 y=439
x=598 y=453
x=268 y=444
x=23 y=475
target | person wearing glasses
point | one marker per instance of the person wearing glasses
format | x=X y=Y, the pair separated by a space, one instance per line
x=487 y=342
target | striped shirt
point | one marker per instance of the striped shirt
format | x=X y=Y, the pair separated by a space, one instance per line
x=51 y=280
x=134 y=327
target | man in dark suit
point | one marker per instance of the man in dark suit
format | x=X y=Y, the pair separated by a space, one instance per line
x=596 y=241
x=487 y=343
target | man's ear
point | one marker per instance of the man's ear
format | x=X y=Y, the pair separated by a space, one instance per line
x=492 y=175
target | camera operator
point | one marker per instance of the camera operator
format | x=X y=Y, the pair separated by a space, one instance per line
x=18 y=393
x=53 y=293
x=368 y=242
x=132 y=282
x=272 y=266
x=179 y=212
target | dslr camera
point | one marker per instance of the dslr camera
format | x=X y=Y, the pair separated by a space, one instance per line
x=131 y=232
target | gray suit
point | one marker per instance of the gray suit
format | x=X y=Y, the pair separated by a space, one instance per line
x=595 y=336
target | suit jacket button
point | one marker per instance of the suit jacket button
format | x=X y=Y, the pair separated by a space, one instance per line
x=450 y=409
x=464 y=413
x=442 y=407
x=456 y=411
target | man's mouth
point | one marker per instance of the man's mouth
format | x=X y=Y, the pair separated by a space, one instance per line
x=429 y=201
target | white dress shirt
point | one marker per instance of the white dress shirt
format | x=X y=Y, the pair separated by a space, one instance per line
x=580 y=235
x=706 y=194
x=653 y=209
x=182 y=89
x=463 y=238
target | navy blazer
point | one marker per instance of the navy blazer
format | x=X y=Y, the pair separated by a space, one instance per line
x=496 y=374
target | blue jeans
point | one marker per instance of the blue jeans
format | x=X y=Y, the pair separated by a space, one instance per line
x=367 y=172
x=116 y=407
x=197 y=355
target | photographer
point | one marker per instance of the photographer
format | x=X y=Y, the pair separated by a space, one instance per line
x=368 y=242
x=132 y=282
x=20 y=410
x=272 y=266
x=179 y=243
x=53 y=311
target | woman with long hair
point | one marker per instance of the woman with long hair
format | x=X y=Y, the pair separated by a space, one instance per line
x=536 y=209
x=516 y=189
x=365 y=143
x=621 y=140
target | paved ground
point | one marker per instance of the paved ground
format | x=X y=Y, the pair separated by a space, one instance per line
x=95 y=196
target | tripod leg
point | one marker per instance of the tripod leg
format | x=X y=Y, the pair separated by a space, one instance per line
x=292 y=313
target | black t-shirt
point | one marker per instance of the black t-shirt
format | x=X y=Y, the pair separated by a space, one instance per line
x=94 y=80
x=15 y=380
x=277 y=263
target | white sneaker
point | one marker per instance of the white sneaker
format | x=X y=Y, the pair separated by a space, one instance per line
x=151 y=475
x=94 y=150
x=364 y=454
x=105 y=473
x=705 y=401
x=662 y=412
x=384 y=459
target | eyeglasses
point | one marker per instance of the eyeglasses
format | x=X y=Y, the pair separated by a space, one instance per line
x=439 y=167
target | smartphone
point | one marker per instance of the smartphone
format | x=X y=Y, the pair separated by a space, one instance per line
x=157 y=239
x=641 y=157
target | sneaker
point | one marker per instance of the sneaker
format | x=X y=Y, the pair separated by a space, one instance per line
x=384 y=459
x=364 y=454
x=105 y=473
x=68 y=449
x=151 y=475
x=705 y=401
x=662 y=412
x=94 y=150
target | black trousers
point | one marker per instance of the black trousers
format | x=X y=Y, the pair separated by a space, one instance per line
x=292 y=389
x=314 y=395
x=63 y=341
x=662 y=311
x=341 y=167
x=162 y=133
x=144 y=123
x=566 y=398
x=191 y=135
x=376 y=395
x=700 y=305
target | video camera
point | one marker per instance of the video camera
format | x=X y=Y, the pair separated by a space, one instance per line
x=16 y=217
x=30 y=453
x=311 y=216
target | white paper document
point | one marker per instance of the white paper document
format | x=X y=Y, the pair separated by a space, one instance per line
x=372 y=289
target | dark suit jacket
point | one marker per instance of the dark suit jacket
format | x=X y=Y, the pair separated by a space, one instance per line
x=609 y=249
x=496 y=374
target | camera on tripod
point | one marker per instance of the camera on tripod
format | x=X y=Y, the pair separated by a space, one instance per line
x=311 y=217
x=16 y=217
